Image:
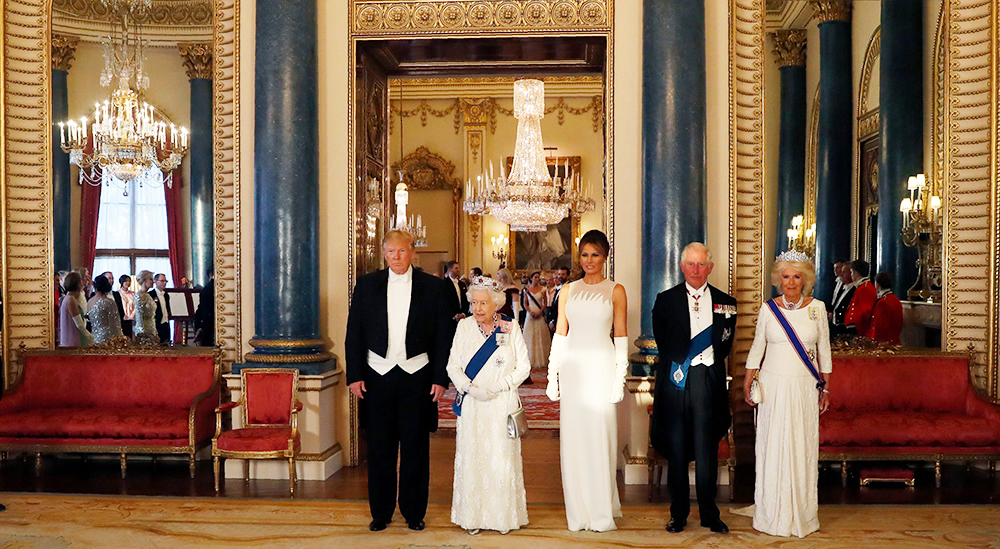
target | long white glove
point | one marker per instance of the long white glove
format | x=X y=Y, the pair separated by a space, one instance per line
x=621 y=368
x=480 y=394
x=556 y=354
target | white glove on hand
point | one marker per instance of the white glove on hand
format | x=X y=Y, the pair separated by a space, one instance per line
x=494 y=387
x=480 y=393
x=621 y=369
x=556 y=354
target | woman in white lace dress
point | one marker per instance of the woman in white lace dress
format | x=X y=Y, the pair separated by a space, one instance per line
x=488 y=490
x=587 y=376
x=785 y=497
x=537 y=336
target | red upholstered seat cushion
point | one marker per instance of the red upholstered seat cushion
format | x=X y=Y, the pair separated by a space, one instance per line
x=269 y=397
x=900 y=383
x=257 y=439
x=141 y=423
x=906 y=429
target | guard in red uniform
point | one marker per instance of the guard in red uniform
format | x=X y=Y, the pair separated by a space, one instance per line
x=859 y=315
x=887 y=314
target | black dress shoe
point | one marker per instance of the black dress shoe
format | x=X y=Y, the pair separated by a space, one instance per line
x=377 y=525
x=675 y=526
x=416 y=526
x=717 y=526
x=2 y=508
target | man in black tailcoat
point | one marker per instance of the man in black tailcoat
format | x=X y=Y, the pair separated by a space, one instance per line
x=399 y=333
x=691 y=401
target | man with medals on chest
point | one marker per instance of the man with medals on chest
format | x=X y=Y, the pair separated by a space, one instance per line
x=694 y=324
x=399 y=332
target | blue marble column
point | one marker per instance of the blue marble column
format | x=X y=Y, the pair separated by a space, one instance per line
x=63 y=48
x=198 y=62
x=901 y=130
x=790 y=54
x=835 y=143
x=286 y=190
x=674 y=198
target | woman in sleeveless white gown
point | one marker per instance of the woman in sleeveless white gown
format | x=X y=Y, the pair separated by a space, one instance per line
x=537 y=336
x=787 y=448
x=587 y=375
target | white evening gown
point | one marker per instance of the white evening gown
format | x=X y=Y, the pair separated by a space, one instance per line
x=537 y=336
x=488 y=490
x=787 y=449
x=588 y=425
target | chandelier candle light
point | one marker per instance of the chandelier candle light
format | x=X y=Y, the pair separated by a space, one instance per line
x=529 y=198
x=124 y=137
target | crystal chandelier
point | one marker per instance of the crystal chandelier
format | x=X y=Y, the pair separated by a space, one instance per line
x=125 y=136
x=408 y=224
x=529 y=199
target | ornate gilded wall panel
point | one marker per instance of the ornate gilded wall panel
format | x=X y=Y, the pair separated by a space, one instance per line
x=747 y=280
x=971 y=239
x=812 y=146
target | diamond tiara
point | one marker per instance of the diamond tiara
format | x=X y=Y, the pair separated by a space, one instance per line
x=793 y=255
x=486 y=283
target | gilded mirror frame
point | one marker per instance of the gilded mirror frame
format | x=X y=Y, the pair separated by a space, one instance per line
x=26 y=193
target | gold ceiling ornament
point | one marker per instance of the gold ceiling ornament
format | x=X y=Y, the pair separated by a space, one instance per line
x=158 y=12
x=197 y=60
x=470 y=111
x=435 y=17
x=63 y=50
x=789 y=47
x=832 y=10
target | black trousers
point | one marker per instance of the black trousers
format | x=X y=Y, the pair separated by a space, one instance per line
x=163 y=330
x=396 y=406
x=690 y=433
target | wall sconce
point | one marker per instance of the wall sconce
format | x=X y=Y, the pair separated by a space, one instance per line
x=501 y=245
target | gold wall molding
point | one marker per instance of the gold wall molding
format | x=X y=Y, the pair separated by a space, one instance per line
x=937 y=84
x=417 y=17
x=789 y=46
x=812 y=149
x=197 y=60
x=63 y=50
x=747 y=280
x=474 y=110
x=832 y=10
x=868 y=125
x=972 y=219
x=872 y=53
x=497 y=87
x=161 y=12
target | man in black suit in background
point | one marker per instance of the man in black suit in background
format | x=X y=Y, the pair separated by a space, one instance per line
x=162 y=300
x=118 y=302
x=399 y=333
x=204 y=317
x=453 y=274
x=694 y=324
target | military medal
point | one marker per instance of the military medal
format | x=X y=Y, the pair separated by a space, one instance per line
x=696 y=298
x=678 y=376
x=501 y=339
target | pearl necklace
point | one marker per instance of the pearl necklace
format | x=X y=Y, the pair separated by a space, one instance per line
x=793 y=306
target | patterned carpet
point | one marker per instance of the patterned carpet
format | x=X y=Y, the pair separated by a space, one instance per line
x=542 y=413
x=51 y=521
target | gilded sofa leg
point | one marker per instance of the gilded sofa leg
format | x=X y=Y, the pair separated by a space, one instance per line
x=246 y=471
x=993 y=467
x=291 y=476
x=215 y=468
x=123 y=464
x=650 y=476
x=38 y=464
x=843 y=473
x=191 y=464
x=937 y=473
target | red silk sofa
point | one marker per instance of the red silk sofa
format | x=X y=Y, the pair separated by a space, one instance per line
x=907 y=406
x=125 y=400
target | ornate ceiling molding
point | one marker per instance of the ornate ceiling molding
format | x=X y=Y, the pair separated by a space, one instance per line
x=63 y=49
x=161 y=13
x=789 y=46
x=197 y=60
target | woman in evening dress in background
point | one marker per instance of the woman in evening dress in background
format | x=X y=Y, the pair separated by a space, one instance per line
x=72 y=326
x=587 y=376
x=785 y=497
x=128 y=304
x=536 y=330
x=105 y=323
x=145 y=311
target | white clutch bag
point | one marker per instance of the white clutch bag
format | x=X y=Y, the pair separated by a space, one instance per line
x=756 y=395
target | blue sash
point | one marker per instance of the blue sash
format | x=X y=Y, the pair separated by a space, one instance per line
x=475 y=365
x=679 y=372
x=793 y=338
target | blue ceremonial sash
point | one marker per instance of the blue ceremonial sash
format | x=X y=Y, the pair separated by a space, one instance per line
x=679 y=372
x=475 y=365
x=793 y=338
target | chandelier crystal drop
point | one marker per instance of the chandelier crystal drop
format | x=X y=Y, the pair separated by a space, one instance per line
x=125 y=136
x=529 y=199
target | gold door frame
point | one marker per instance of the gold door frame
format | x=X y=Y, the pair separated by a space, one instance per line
x=387 y=20
x=26 y=189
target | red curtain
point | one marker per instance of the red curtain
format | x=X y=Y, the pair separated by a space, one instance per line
x=175 y=235
x=90 y=207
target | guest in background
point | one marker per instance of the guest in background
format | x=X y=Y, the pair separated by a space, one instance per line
x=145 y=311
x=453 y=273
x=793 y=397
x=511 y=291
x=859 y=315
x=550 y=290
x=843 y=303
x=536 y=330
x=103 y=313
x=204 y=317
x=120 y=305
x=61 y=278
x=127 y=298
x=838 y=286
x=72 y=326
x=159 y=295
x=185 y=283
x=87 y=284
x=59 y=293
x=552 y=311
x=488 y=362
x=887 y=314
x=474 y=272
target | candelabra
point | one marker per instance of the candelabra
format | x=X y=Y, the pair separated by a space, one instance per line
x=802 y=240
x=408 y=224
x=501 y=245
x=922 y=229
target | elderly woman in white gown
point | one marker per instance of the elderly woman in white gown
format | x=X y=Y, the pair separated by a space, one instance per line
x=792 y=394
x=488 y=362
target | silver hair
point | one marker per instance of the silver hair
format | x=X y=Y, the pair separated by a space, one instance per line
x=499 y=298
x=696 y=246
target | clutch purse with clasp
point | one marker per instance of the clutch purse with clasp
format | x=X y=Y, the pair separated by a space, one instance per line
x=756 y=395
x=517 y=422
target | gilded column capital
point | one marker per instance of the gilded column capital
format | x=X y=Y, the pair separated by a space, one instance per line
x=832 y=10
x=63 y=49
x=474 y=111
x=197 y=60
x=789 y=47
